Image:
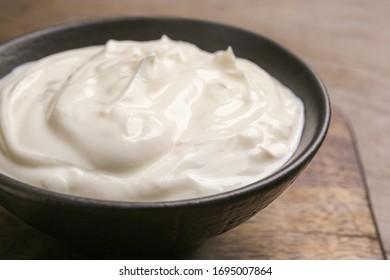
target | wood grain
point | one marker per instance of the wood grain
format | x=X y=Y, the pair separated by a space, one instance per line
x=325 y=214
x=346 y=41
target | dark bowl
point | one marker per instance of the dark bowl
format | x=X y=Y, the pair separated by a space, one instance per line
x=153 y=227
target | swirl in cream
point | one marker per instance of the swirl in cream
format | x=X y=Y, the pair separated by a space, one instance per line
x=145 y=121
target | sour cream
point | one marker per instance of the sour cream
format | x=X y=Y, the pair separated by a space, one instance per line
x=145 y=121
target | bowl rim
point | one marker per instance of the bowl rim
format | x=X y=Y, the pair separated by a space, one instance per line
x=15 y=187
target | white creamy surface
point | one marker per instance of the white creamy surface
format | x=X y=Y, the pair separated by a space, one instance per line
x=145 y=121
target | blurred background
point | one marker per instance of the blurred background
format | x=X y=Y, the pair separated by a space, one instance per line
x=345 y=41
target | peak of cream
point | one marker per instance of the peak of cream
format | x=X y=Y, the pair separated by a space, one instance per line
x=145 y=121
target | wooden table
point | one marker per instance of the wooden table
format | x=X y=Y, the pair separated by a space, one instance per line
x=326 y=214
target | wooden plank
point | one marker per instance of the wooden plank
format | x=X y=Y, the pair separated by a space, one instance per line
x=325 y=214
x=339 y=38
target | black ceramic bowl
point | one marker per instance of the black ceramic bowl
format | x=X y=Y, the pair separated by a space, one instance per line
x=162 y=226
